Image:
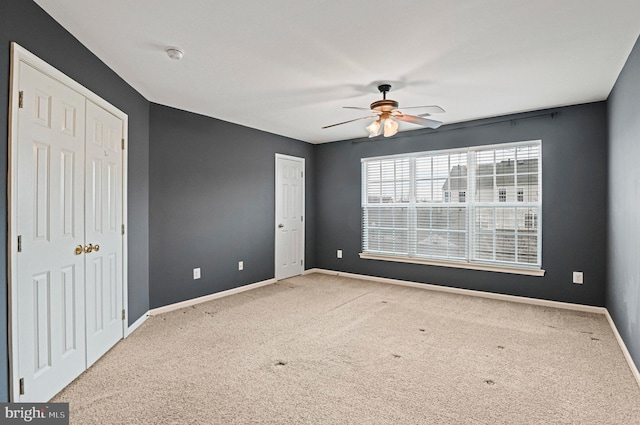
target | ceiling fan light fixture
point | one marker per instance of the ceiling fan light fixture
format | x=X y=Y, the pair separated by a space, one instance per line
x=374 y=128
x=390 y=127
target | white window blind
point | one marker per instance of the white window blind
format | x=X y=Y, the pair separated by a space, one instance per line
x=474 y=205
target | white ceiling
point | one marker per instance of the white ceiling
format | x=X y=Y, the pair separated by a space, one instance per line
x=288 y=66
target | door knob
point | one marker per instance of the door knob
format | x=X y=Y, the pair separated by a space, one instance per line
x=79 y=250
x=280 y=226
x=96 y=247
x=88 y=248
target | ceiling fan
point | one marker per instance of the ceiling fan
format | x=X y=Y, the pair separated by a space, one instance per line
x=386 y=113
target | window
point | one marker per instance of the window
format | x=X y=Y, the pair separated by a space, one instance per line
x=530 y=220
x=409 y=213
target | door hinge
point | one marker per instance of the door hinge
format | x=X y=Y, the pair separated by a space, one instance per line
x=122 y=144
x=301 y=218
x=21 y=385
x=301 y=173
x=301 y=262
x=19 y=243
x=20 y=99
x=123 y=230
x=124 y=314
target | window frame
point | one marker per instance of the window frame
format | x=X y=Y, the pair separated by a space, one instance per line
x=516 y=266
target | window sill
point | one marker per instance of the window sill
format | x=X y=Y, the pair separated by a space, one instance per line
x=474 y=266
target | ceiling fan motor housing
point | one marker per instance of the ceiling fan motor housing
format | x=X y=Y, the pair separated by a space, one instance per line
x=384 y=105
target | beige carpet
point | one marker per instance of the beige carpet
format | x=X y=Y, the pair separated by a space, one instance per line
x=321 y=349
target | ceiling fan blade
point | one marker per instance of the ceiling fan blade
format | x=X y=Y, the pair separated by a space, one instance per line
x=358 y=108
x=432 y=109
x=346 y=122
x=418 y=120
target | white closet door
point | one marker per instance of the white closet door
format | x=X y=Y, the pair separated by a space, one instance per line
x=50 y=225
x=67 y=270
x=103 y=234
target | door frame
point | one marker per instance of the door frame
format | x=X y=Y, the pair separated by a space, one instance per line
x=275 y=220
x=18 y=55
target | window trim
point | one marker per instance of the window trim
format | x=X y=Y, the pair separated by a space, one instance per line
x=469 y=263
x=526 y=271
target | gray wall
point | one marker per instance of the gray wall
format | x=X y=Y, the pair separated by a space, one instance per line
x=623 y=289
x=574 y=168
x=24 y=22
x=212 y=204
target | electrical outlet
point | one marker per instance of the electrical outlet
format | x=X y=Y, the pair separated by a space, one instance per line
x=578 y=278
x=240 y=265
x=339 y=253
x=196 y=273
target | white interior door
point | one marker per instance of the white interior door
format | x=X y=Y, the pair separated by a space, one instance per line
x=67 y=279
x=50 y=225
x=289 y=216
x=103 y=235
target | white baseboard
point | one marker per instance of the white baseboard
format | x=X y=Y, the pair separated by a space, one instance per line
x=194 y=301
x=470 y=292
x=623 y=347
x=502 y=297
x=135 y=325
